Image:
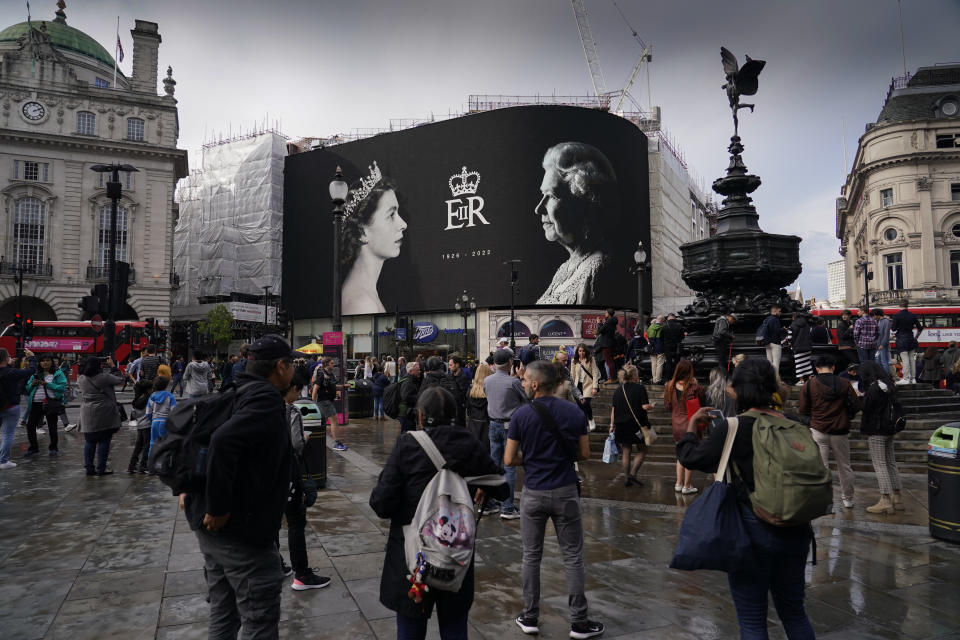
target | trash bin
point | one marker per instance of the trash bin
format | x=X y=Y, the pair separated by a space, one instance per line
x=361 y=399
x=943 y=482
x=315 y=449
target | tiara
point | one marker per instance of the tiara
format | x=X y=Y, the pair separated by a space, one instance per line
x=366 y=186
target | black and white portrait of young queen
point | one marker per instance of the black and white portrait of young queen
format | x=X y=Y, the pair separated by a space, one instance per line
x=579 y=209
x=372 y=233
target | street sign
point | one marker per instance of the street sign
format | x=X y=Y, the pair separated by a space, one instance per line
x=96 y=323
x=401 y=334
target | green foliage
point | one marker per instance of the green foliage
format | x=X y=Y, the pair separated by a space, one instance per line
x=219 y=325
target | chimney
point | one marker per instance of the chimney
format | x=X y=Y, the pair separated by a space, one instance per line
x=146 y=42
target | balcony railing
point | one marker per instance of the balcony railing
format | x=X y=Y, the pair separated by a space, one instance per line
x=28 y=270
x=102 y=274
x=892 y=296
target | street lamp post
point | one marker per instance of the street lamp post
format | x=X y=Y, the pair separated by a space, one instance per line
x=640 y=266
x=466 y=305
x=266 y=301
x=338 y=195
x=114 y=191
x=514 y=286
x=867 y=277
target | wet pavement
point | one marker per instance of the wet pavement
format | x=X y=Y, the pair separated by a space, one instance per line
x=112 y=557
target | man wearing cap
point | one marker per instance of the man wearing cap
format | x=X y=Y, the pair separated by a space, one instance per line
x=237 y=518
x=505 y=395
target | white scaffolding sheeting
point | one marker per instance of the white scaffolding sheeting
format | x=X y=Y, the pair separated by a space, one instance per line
x=228 y=237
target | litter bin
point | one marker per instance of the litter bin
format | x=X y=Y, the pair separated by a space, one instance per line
x=943 y=482
x=361 y=399
x=315 y=449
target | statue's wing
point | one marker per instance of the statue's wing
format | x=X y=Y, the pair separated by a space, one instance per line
x=730 y=65
x=747 y=78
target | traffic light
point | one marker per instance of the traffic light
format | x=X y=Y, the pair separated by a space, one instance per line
x=17 y=325
x=283 y=318
x=120 y=294
x=27 y=329
x=151 y=329
x=95 y=303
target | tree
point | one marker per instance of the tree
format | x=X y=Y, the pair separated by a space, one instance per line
x=219 y=324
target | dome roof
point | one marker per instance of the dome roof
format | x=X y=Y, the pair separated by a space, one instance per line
x=62 y=36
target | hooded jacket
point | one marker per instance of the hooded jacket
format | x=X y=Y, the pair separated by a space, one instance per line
x=823 y=398
x=800 y=334
x=876 y=405
x=248 y=467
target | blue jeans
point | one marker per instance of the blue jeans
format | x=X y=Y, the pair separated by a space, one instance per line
x=377 y=406
x=498 y=442
x=453 y=626
x=866 y=354
x=778 y=568
x=883 y=358
x=8 y=426
x=99 y=442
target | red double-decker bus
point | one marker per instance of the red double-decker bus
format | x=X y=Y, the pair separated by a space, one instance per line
x=79 y=337
x=941 y=325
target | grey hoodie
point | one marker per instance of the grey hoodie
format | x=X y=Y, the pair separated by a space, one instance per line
x=195 y=378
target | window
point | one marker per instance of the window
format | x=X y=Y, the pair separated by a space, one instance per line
x=956 y=230
x=134 y=129
x=894 y=267
x=955 y=191
x=86 y=123
x=890 y=234
x=103 y=236
x=101 y=83
x=886 y=197
x=31 y=171
x=955 y=268
x=948 y=140
x=28 y=230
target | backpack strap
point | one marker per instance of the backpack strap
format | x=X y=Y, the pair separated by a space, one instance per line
x=432 y=452
x=722 y=471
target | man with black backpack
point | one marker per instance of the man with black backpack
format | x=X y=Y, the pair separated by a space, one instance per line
x=237 y=515
x=831 y=402
x=530 y=352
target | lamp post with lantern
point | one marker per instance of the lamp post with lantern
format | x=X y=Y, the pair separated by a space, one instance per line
x=338 y=195
x=466 y=306
x=640 y=267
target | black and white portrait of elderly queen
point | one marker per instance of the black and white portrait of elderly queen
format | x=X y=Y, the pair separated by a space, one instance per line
x=372 y=232
x=579 y=209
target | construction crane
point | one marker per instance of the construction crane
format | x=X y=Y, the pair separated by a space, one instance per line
x=604 y=97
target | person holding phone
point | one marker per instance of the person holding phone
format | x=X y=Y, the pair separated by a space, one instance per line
x=683 y=396
x=10 y=379
x=44 y=401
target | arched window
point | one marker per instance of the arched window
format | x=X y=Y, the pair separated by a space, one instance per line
x=135 y=129
x=28 y=231
x=103 y=236
x=86 y=123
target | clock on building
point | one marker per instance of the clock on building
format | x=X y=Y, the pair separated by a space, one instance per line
x=33 y=111
x=949 y=108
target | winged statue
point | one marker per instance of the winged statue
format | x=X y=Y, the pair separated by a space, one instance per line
x=741 y=81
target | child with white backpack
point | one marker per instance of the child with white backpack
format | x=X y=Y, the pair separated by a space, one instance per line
x=429 y=560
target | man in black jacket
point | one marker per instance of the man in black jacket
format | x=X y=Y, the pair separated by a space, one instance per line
x=409 y=390
x=462 y=380
x=437 y=377
x=605 y=345
x=672 y=335
x=237 y=517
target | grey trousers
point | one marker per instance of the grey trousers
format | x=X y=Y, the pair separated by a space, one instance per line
x=840 y=445
x=243 y=584
x=563 y=507
x=884 y=463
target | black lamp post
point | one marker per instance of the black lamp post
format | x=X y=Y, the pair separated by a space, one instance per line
x=338 y=195
x=466 y=305
x=867 y=277
x=640 y=266
x=266 y=301
x=514 y=289
x=114 y=191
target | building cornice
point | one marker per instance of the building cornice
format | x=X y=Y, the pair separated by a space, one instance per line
x=96 y=145
x=59 y=91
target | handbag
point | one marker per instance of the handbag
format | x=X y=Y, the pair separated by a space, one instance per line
x=713 y=535
x=648 y=432
x=53 y=406
x=610 y=453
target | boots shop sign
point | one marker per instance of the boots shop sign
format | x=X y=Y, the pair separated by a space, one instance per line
x=438 y=208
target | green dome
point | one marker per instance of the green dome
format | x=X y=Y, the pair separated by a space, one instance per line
x=62 y=36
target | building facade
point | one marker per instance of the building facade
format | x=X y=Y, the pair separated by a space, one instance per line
x=899 y=212
x=836 y=282
x=64 y=107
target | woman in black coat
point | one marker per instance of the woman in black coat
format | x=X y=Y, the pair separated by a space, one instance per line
x=404 y=477
x=606 y=341
x=802 y=345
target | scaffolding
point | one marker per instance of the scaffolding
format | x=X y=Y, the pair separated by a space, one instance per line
x=229 y=233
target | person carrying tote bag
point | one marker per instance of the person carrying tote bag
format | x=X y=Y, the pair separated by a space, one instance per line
x=625 y=425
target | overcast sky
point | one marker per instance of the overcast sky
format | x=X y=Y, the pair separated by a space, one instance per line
x=322 y=67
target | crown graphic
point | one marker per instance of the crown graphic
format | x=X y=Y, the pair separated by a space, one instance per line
x=464 y=182
x=366 y=186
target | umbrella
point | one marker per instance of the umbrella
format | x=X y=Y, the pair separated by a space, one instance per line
x=313 y=347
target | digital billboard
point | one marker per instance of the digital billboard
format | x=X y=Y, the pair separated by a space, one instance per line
x=437 y=209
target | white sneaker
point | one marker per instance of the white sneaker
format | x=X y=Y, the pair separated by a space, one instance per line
x=9 y=464
x=678 y=488
x=689 y=490
x=902 y=381
x=847 y=504
x=70 y=427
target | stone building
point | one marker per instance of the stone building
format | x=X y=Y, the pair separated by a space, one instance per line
x=64 y=107
x=899 y=211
